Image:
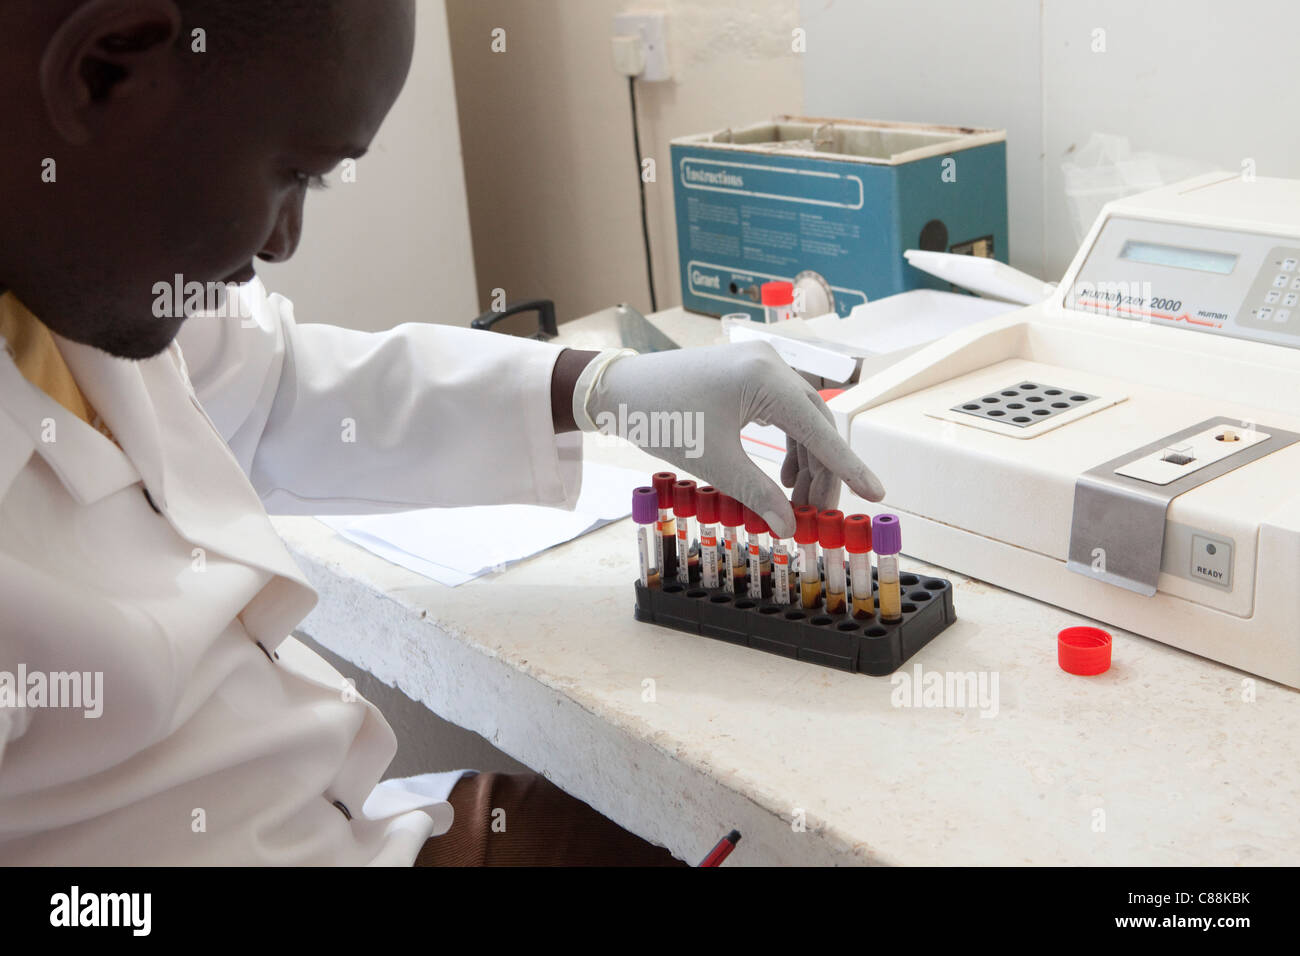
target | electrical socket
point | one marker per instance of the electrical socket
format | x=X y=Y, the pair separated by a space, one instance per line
x=652 y=30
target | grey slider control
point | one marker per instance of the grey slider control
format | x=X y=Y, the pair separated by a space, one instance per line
x=1117 y=530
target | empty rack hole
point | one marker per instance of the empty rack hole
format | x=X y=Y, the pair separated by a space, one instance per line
x=795 y=615
x=908 y=580
x=919 y=596
x=935 y=585
x=770 y=609
x=846 y=626
x=819 y=621
x=744 y=605
x=673 y=588
x=697 y=593
x=876 y=631
x=721 y=599
x=909 y=608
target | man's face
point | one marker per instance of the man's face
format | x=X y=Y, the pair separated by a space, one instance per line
x=213 y=175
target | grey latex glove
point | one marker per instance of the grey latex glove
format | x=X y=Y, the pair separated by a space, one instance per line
x=721 y=390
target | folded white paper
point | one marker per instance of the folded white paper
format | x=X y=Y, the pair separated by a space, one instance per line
x=455 y=545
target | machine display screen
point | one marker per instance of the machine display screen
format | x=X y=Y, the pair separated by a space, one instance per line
x=1180 y=258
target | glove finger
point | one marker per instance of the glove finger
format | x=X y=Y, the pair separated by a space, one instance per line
x=762 y=495
x=823 y=486
x=810 y=423
x=790 y=466
x=799 y=488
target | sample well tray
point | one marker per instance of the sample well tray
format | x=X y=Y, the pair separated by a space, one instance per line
x=833 y=640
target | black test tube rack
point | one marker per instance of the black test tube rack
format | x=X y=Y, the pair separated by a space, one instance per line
x=869 y=646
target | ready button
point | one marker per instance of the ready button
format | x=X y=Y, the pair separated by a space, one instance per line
x=1212 y=561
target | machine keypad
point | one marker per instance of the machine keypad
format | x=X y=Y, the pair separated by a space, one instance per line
x=1271 y=303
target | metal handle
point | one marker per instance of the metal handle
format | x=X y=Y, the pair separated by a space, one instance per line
x=545 y=309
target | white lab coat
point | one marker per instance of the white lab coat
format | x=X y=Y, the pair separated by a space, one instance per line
x=222 y=740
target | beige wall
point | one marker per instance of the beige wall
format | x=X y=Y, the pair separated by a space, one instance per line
x=549 y=164
x=393 y=246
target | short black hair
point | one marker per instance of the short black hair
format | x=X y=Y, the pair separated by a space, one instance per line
x=242 y=29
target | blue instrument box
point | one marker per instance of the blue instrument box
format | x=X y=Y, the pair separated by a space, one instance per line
x=831 y=203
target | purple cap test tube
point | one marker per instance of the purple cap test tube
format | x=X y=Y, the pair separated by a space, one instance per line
x=645 y=505
x=886 y=535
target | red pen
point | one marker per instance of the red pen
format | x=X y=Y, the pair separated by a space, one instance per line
x=722 y=850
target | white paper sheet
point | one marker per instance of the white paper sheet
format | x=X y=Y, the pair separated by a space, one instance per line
x=455 y=545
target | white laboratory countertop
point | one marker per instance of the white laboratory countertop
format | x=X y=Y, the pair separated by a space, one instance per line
x=1165 y=759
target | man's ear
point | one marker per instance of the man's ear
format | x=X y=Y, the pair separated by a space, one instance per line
x=107 y=55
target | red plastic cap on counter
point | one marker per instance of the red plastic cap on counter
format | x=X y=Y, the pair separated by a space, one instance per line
x=830 y=528
x=857 y=533
x=805 y=524
x=708 y=504
x=732 y=512
x=1083 y=650
x=663 y=482
x=778 y=293
x=754 y=523
x=684 y=499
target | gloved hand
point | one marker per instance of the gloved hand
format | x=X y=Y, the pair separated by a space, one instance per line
x=705 y=397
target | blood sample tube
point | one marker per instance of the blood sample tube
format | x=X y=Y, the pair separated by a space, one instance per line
x=760 y=555
x=708 y=505
x=887 y=537
x=684 y=514
x=780 y=570
x=645 y=513
x=663 y=482
x=733 y=516
x=830 y=530
x=805 y=539
x=857 y=542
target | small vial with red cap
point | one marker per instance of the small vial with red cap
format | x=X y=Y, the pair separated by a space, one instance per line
x=663 y=482
x=780 y=570
x=887 y=538
x=760 y=555
x=778 y=301
x=708 y=505
x=830 y=532
x=805 y=539
x=645 y=515
x=857 y=542
x=733 y=517
x=684 y=519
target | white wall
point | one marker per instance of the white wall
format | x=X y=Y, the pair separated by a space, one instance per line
x=395 y=245
x=1210 y=80
x=550 y=168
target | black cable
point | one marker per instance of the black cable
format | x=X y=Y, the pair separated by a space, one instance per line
x=645 y=222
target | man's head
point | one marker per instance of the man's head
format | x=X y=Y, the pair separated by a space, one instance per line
x=136 y=149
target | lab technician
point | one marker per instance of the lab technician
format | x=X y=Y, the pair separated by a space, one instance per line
x=140 y=452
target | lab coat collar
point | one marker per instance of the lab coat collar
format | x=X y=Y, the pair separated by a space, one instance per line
x=89 y=465
x=168 y=443
x=115 y=389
